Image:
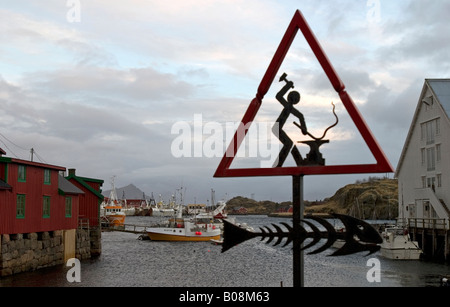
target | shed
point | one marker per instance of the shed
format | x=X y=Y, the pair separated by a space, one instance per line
x=91 y=199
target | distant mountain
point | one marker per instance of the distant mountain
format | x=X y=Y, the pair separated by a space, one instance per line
x=128 y=192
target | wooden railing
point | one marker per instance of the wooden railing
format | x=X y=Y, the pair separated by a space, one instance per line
x=428 y=223
x=83 y=223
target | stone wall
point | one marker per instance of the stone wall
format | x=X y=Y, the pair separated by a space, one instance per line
x=83 y=244
x=32 y=251
x=96 y=241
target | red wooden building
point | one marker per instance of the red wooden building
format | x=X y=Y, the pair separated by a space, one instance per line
x=34 y=197
x=91 y=199
x=239 y=211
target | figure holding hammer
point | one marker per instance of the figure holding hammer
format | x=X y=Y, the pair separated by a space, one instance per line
x=288 y=108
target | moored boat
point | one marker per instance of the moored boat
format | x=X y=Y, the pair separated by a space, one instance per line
x=184 y=229
x=218 y=212
x=163 y=209
x=397 y=244
x=112 y=209
x=115 y=215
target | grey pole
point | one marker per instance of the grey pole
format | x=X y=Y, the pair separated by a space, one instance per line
x=297 y=215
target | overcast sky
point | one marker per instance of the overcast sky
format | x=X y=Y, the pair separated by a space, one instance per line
x=104 y=86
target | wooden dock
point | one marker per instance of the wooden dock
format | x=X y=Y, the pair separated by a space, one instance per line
x=130 y=228
x=433 y=236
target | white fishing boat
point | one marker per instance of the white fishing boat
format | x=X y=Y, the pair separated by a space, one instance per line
x=397 y=244
x=129 y=210
x=217 y=213
x=192 y=209
x=183 y=229
x=163 y=209
x=165 y=212
x=112 y=209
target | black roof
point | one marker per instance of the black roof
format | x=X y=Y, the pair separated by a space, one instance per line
x=4 y=185
x=67 y=187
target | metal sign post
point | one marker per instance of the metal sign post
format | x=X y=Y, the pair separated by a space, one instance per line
x=297 y=217
x=358 y=236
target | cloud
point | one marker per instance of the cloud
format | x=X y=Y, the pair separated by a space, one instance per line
x=133 y=85
x=102 y=95
x=418 y=36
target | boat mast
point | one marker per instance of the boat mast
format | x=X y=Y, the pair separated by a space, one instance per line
x=213 y=197
x=113 y=194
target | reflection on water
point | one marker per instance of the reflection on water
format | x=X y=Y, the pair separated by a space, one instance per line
x=126 y=261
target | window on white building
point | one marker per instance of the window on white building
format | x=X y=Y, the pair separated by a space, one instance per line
x=430 y=127
x=429 y=130
x=431 y=161
x=423 y=131
x=439 y=180
x=438 y=152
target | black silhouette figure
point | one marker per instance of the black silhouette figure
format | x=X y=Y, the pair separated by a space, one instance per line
x=292 y=99
x=314 y=157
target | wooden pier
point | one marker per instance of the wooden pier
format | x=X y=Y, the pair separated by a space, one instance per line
x=130 y=228
x=433 y=236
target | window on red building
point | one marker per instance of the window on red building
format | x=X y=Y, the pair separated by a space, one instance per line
x=46 y=207
x=68 y=206
x=20 y=206
x=22 y=173
x=47 y=176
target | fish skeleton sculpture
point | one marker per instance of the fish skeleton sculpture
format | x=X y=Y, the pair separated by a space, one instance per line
x=359 y=236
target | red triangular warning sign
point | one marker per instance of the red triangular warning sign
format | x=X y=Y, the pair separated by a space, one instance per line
x=382 y=165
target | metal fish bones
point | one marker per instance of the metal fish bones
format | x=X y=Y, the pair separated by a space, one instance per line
x=359 y=236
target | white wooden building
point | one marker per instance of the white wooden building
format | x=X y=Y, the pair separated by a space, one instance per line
x=423 y=170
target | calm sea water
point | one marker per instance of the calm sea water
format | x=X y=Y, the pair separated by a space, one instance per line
x=129 y=262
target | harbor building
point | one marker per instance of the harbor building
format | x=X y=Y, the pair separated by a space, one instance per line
x=423 y=171
x=89 y=210
x=39 y=216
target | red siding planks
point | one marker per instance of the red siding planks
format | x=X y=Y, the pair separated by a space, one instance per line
x=91 y=199
x=34 y=190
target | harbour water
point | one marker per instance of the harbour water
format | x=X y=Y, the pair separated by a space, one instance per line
x=129 y=262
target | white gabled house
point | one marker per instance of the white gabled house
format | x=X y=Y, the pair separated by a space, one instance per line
x=423 y=171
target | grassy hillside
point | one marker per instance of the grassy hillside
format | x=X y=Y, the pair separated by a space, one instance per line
x=367 y=199
x=373 y=198
x=255 y=207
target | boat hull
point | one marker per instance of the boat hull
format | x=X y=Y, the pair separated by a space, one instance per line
x=116 y=220
x=397 y=245
x=180 y=234
x=168 y=237
x=401 y=253
x=129 y=211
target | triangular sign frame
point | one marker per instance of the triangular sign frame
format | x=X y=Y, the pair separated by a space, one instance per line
x=382 y=165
